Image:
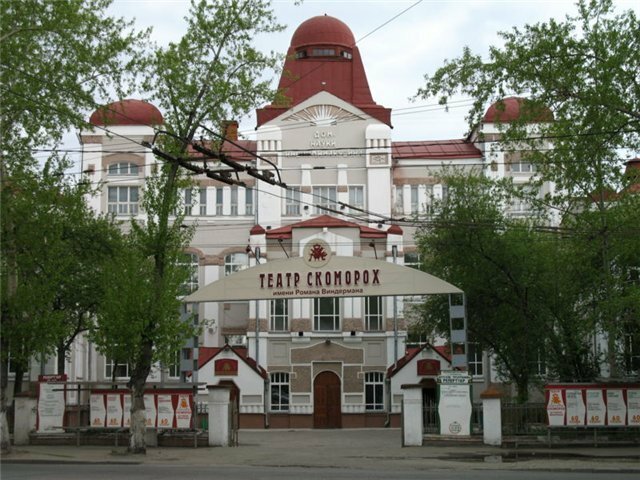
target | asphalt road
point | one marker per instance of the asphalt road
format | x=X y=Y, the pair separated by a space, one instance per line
x=68 y=471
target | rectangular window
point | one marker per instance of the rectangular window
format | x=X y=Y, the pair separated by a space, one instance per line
x=356 y=197
x=373 y=314
x=248 y=201
x=374 y=390
x=279 y=392
x=279 y=315
x=234 y=201
x=123 y=200
x=219 y=200
x=415 y=199
x=202 y=201
x=399 y=200
x=474 y=356
x=631 y=353
x=292 y=201
x=174 y=368
x=325 y=197
x=113 y=369
x=188 y=201
x=326 y=314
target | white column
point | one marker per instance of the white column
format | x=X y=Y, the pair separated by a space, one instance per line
x=412 y=415
x=219 y=416
x=491 y=417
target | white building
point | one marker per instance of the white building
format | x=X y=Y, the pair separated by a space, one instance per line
x=304 y=362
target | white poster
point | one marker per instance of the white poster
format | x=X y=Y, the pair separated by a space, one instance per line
x=454 y=409
x=575 y=408
x=150 y=410
x=633 y=407
x=114 y=410
x=126 y=410
x=596 y=410
x=97 y=410
x=616 y=409
x=556 y=408
x=183 y=412
x=51 y=407
x=165 y=411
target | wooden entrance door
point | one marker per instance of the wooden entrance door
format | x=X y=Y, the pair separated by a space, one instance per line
x=326 y=401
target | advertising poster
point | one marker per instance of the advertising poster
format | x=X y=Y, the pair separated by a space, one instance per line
x=165 y=411
x=97 y=410
x=114 y=410
x=183 y=412
x=616 y=409
x=596 y=411
x=633 y=407
x=575 y=408
x=126 y=410
x=150 y=410
x=51 y=406
x=555 y=408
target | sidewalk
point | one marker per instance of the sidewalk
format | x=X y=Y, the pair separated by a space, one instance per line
x=370 y=448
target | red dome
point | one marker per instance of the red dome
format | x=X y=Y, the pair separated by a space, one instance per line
x=323 y=30
x=508 y=110
x=127 y=112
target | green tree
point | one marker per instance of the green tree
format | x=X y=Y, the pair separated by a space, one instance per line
x=513 y=273
x=212 y=74
x=584 y=69
x=58 y=60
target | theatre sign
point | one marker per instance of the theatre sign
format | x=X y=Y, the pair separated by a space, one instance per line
x=319 y=273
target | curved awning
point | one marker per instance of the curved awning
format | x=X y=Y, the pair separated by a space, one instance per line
x=340 y=277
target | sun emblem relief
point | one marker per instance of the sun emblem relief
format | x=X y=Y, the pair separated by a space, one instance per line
x=322 y=116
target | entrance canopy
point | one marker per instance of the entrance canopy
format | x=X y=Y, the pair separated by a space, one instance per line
x=313 y=276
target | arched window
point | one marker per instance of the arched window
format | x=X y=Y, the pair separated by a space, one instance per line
x=235 y=262
x=123 y=168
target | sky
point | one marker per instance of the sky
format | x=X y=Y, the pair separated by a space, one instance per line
x=397 y=55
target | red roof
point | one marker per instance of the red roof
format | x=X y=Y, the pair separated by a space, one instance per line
x=127 y=112
x=434 y=149
x=325 y=221
x=206 y=354
x=323 y=30
x=256 y=230
x=238 y=154
x=509 y=110
x=306 y=74
x=411 y=354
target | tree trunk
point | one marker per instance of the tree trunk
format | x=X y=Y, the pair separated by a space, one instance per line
x=62 y=352
x=5 y=444
x=137 y=441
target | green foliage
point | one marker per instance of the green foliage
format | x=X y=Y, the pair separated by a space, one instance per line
x=214 y=72
x=58 y=60
x=582 y=71
x=520 y=295
x=53 y=250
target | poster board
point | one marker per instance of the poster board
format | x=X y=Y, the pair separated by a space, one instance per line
x=454 y=403
x=51 y=403
x=593 y=405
